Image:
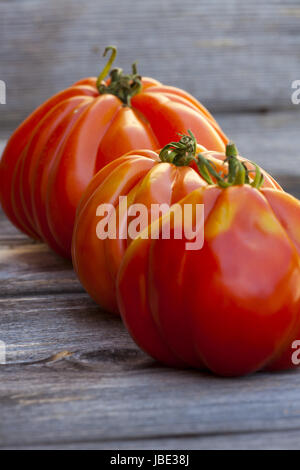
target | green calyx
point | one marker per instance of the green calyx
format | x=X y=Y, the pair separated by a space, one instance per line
x=180 y=153
x=121 y=85
x=238 y=173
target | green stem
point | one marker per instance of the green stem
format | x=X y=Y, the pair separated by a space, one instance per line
x=238 y=173
x=231 y=150
x=121 y=85
x=107 y=67
x=259 y=177
x=180 y=153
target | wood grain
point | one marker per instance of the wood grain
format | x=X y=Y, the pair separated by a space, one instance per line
x=270 y=139
x=74 y=379
x=38 y=328
x=75 y=375
x=232 y=54
x=280 y=440
x=31 y=268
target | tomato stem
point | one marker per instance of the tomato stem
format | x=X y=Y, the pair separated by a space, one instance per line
x=231 y=150
x=121 y=85
x=107 y=67
x=238 y=173
x=180 y=153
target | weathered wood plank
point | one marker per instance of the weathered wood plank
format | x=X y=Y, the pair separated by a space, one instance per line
x=74 y=375
x=73 y=402
x=37 y=327
x=232 y=54
x=32 y=268
x=286 y=440
x=270 y=139
x=8 y=231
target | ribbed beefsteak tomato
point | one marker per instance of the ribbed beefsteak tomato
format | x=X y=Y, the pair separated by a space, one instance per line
x=50 y=159
x=232 y=306
x=144 y=177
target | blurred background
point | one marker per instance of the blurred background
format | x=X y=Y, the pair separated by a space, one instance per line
x=238 y=57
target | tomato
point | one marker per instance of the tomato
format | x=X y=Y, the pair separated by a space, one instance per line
x=144 y=177
x=233 y=306
x=50 y=159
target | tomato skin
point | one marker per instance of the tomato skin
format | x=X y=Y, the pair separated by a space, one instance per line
x=34 y=154
x=93 y=137
x=143 y=178
x=233 y=306
x=19 y=139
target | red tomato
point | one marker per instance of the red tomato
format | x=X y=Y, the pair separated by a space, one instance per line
x=145 y=177
x=232 y=306
x=50 y=159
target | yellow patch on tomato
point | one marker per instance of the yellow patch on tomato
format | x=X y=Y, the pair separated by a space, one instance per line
x=220 y=220
x=269 y=224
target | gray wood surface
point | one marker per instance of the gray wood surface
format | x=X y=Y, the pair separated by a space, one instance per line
x=31 y=268
x=270 y=139
x=284 y=440
x=232 y=54
x=74 y=379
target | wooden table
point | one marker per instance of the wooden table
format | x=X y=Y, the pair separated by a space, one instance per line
x=74 y=379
